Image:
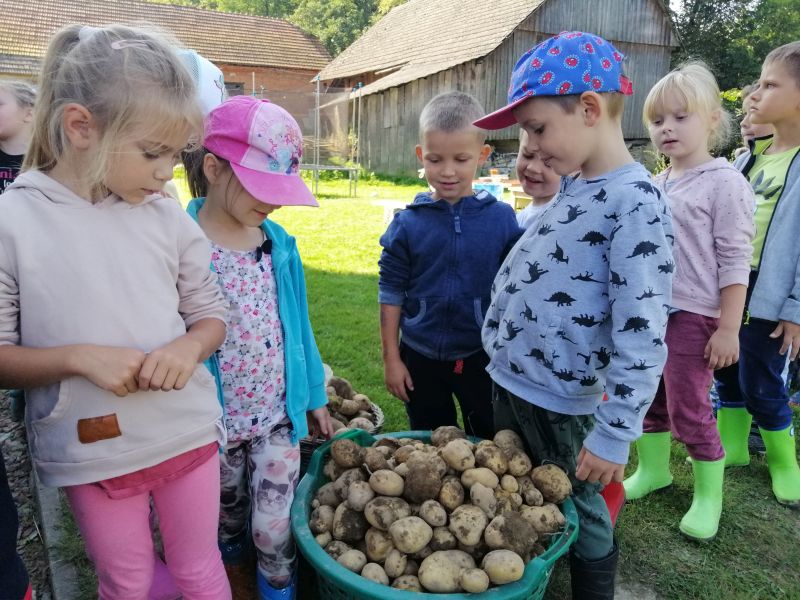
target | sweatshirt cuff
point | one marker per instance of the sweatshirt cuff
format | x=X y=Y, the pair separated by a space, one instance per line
x=790 y=311
x=734 y=276
x=317 y=397
x=606 y=447
x=390 y=297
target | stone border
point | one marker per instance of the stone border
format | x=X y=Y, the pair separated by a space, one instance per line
x=63 y=574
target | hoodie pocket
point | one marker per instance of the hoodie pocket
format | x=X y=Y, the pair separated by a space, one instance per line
x=477 y=305
x=60 y=408
x=417 y=318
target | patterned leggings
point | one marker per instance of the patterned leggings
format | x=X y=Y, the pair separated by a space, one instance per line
x=258 y=480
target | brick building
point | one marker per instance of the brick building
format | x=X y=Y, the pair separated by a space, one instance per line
x=254 y=53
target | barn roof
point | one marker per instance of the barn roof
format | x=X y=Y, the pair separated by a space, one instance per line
x=413 y=41
x=412 y=38
x=26 y=27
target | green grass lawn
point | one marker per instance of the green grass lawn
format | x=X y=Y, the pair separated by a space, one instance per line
x=754 y=556
x=339 y=245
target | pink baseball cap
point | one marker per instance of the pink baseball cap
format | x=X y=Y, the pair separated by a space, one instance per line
x=263 y=144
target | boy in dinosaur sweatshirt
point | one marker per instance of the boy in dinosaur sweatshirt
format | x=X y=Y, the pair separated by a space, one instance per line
x=580 y=304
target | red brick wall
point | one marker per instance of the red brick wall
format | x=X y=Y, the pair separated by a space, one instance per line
x=269 y=78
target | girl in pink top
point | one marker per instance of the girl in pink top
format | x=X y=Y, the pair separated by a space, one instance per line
x=107 y=308
x=712 y=211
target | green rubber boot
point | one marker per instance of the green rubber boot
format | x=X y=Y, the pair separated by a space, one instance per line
x=734 y=428
x=702 y=520
x=653 y=470
x=782 y=463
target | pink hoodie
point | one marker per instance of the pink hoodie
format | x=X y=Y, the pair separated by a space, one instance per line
x=712 y=210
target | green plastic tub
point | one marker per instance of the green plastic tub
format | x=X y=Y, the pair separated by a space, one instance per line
x=334 y=582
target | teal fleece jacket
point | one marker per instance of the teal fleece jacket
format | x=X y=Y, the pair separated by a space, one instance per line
x=305 y=378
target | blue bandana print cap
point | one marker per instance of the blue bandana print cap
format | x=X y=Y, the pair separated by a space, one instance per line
x=571 y=62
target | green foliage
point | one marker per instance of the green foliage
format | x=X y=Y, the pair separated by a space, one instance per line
x=734 y=36
x=384 y=6
x=264 y=8
x=337 y=23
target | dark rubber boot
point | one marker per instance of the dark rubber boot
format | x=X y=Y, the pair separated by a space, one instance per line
x=593 y=579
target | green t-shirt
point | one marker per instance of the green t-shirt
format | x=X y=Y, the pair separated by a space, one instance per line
x=767 y=176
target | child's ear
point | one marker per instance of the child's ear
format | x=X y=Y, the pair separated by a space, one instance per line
x=418 y=150
x=591 y=107
x=484 y=155
x=715 y=118
x=212 y=168
x=78 y=125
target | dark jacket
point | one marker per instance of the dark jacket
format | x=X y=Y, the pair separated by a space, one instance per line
x=438 y=263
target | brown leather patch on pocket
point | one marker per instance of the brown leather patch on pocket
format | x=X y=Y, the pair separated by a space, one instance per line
x=95 y=429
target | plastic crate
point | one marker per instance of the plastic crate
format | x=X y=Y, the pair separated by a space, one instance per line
x=337 y=583
x=495 y=189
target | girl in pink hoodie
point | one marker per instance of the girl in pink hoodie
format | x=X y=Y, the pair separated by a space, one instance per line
x=712 y=210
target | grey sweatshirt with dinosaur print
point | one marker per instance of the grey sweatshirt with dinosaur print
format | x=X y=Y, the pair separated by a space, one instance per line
x=580 y=306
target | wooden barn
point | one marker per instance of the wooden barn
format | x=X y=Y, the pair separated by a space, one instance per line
x=425 y=47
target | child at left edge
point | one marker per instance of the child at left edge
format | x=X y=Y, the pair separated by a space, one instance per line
x=270 y=370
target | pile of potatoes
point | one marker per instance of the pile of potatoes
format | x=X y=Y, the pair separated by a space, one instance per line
x=445 y=517
x=349 y=409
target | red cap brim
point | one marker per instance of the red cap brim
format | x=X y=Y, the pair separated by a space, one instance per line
x=275 y=188
x=502 y=117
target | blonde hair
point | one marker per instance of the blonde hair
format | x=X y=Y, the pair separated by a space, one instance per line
x=131 y=81
x=694 y=85
x=24 y=93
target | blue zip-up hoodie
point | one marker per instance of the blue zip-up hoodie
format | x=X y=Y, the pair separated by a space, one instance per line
x=776 y=293
x=305 y=379
x=438 y=263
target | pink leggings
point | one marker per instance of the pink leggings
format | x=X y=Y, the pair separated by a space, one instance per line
x=118 y=539
x=681 y=404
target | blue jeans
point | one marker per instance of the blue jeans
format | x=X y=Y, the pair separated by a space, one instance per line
x=756 y=381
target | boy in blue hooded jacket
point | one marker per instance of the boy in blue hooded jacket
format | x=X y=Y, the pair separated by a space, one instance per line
x=439 y=258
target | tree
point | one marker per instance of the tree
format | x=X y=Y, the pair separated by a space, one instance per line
x=384 y=6
x=734 y=36
x=336 y=23
x=264 y=8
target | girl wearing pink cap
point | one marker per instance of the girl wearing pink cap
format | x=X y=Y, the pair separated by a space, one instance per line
x=269 y=367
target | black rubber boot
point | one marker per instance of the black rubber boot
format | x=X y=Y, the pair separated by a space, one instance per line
x=593 y=579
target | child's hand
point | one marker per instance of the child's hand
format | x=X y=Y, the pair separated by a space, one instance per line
x=722 y=349
x=791 y=337
x=110 y=368
x=319 y=423
x=170 y=367
x=592 y=468
x=397 y=379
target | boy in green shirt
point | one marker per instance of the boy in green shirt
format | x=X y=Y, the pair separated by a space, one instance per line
x=771 y=329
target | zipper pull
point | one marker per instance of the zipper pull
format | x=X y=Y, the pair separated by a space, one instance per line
x=457 y=222
x=747 y=317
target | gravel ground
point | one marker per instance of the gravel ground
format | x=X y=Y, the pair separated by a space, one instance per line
x=18 y=465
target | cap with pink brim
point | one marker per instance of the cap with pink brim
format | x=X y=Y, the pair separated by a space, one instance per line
x=263 y=144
